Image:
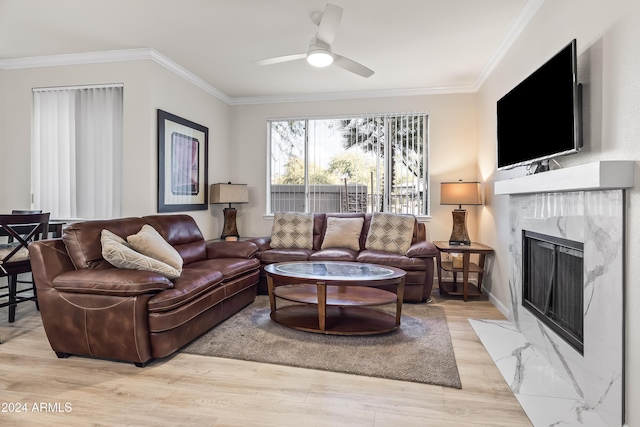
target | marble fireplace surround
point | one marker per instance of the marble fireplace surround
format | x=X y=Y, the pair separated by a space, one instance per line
x=587 y=204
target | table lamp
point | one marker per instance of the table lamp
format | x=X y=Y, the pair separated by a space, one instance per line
x=229 y=193
x=460 y=193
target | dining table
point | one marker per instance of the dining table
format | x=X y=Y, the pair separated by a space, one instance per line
x=55 y=229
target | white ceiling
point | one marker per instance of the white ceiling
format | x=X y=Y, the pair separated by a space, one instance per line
x=412 y=45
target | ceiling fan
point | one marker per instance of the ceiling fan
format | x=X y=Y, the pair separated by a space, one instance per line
x=319 y=53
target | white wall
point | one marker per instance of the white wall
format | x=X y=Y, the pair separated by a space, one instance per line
x=453 y=150
x=147 y=87
x=3 y=127
x=608 y=36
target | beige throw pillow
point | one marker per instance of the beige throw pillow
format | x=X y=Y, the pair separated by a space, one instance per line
x=117 y=252
x=292 y=230
x=343 y=233
x=150 y=243
x=390 y=232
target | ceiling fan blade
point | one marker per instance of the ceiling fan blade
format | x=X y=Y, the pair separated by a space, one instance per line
x=352 y=66
x=279 y=59
x=329 y=23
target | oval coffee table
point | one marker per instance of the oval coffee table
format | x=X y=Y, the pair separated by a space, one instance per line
x=334 y=297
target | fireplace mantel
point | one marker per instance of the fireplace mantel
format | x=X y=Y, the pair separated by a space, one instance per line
x=603 y=175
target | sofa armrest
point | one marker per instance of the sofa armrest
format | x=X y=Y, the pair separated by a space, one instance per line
x=263 y=243
x=422 y=249
x=231 y=249
x=111 y=281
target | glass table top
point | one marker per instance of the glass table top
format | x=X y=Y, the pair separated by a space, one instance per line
x=333 y=270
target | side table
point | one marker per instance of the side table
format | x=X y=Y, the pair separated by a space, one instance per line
x=453 y=287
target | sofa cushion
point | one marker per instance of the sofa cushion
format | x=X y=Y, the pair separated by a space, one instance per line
x=119 y=253
x=190 y=285
x=283 y=255
x=181 y=232
x=390 y=232
x=393 y=259
x=149 y=242
x=111 y=281
x=82 y=239
x=292 y=230
x=334 y=254
x=343 y=233
x=229 y=267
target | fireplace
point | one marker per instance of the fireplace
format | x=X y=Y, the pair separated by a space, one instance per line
x=553 y=285
x=584 y=203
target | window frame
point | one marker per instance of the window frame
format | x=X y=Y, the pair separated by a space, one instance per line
x=426 y=155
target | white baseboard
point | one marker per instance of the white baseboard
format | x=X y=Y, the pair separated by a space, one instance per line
x=501 y=308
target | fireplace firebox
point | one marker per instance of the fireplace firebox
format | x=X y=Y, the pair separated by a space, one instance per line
x=553 y=286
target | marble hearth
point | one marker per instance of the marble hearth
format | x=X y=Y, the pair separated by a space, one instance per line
x=554 y=383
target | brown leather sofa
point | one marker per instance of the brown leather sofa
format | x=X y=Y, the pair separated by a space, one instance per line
x=91 y=308
x=418 y=262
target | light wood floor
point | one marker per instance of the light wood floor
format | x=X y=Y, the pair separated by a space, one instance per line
x=191 y=390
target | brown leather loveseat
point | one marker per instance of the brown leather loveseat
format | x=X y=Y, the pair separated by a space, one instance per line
x=418 y=261
x=91 y=308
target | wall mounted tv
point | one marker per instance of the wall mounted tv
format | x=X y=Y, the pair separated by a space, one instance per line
x=541 y=117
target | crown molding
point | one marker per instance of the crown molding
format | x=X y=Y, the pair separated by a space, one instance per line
x=333 y=96
x=113 y=56
x=527 y=13
x=189 y=76
x=76 y=59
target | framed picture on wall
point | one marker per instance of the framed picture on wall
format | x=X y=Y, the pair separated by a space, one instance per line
x=183 y=148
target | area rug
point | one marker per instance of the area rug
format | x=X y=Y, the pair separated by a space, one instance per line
x=420 y=350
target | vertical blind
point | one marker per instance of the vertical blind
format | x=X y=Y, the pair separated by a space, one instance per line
x=77 y=151
x=364 y=163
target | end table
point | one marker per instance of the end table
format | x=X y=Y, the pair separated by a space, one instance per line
x=453 y=287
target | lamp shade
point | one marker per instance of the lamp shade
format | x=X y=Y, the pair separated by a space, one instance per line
x=229 y=193
x=460 y=193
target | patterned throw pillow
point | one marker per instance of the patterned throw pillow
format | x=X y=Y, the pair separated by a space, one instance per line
x=390 y=232
x=117 y=252
x=292 y=230
x=343 y=233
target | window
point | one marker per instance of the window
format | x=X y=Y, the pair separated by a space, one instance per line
x=375 y=163
x=77 y=151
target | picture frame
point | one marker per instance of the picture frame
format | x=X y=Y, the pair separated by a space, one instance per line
x=183 y=153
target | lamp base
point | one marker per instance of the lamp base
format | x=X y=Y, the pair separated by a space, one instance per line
x=459 y=235
x=229 y=229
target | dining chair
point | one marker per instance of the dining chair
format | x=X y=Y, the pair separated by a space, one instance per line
x=14 y=256
x=10 y=238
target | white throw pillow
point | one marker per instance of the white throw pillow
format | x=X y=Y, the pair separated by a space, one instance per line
x=150 y=243
x=390 y=232
x=117 y=252
x=343 y=233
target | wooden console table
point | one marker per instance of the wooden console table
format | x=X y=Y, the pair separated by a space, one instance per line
x=453 y=287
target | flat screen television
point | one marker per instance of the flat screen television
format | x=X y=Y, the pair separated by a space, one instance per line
x=541 y=117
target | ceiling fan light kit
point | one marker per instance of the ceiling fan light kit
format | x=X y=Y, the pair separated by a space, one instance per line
x=319 y=53
x=319 y=58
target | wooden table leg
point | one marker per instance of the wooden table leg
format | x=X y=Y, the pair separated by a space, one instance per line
x=400 y=296
x=465 y=275
x=439 y=264
x=272 y=296
x=322 y=305
x=481 y=274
